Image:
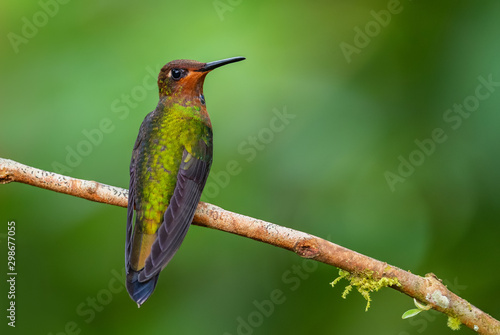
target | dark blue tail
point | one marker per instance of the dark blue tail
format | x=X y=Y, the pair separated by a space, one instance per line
x=140 y=291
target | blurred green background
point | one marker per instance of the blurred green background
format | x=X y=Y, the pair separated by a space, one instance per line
x=360 y=85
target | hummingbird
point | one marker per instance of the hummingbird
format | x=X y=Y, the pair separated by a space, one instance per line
x=170 y=163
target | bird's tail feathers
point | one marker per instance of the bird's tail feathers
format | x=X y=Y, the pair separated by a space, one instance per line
x=140 y=291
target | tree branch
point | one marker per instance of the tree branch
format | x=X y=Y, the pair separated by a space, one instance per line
x=429 y=289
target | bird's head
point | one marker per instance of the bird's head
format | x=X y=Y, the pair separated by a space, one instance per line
x=185 y=77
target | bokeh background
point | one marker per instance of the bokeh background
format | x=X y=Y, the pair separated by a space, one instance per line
x=352 y=108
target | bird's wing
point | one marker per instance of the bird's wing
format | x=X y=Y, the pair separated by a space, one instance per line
x=131 y=190
x=191 y=178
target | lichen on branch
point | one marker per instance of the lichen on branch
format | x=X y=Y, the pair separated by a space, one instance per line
x=364 y=283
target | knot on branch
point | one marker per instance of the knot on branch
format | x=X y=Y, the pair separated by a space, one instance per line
x=437 y=292
x=92 y=187
x=307 y=248
x=5 y=177
x=5 y=174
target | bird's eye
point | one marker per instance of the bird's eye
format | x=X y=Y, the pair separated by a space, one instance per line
x=176 y=74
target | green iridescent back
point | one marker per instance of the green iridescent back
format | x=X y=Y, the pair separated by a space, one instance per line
x=169 y=130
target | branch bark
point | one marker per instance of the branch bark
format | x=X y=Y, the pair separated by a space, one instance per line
x=429 y=289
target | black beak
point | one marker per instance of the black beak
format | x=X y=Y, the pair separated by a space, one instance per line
x=213 y=65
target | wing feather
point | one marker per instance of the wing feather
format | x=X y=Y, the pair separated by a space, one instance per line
x=191 y=178
x=131 y=192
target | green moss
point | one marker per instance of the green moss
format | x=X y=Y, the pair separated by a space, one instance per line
x=364 y=283
x=454 y=323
